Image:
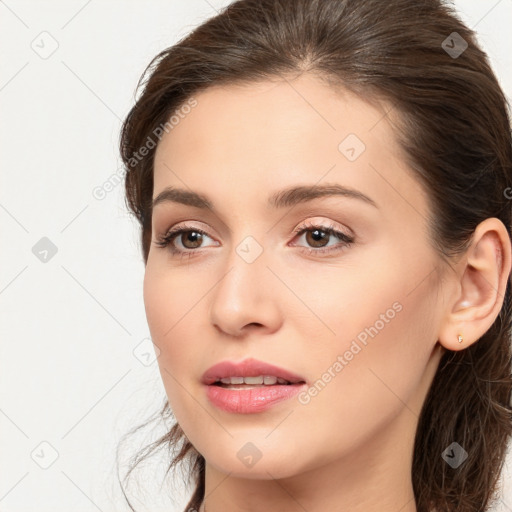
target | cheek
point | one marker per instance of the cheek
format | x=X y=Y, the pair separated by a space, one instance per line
x=385 y=299
x=171 y=306
x=156 y=303
x=169 y=298
x=385 y=325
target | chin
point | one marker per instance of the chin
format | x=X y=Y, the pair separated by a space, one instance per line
x=248 y=463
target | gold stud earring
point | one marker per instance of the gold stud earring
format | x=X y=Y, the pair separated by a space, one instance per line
x=461 y=339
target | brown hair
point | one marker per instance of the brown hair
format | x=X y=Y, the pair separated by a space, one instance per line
x=454 y=127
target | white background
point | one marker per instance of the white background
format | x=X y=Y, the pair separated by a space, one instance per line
x=74 y=333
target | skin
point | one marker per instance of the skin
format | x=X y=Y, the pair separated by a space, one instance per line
x=350 y=447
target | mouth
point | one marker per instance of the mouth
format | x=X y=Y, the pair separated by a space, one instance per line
x=250 y=386
x=249 y=399
x=249 y=373
x=239 y=382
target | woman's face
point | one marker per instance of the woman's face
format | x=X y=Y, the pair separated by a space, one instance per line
x=355 y=316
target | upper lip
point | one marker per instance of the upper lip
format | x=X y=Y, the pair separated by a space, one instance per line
x=247 y=368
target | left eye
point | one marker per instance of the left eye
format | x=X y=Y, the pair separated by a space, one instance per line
x=318 y=236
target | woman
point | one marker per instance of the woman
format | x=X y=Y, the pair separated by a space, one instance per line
x=323 y=191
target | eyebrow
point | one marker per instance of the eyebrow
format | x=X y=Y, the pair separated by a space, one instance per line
x=281 y=199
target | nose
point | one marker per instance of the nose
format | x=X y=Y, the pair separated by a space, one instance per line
x=245 y=298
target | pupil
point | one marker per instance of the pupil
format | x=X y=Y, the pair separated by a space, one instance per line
x=194 y=237
x=319 y=235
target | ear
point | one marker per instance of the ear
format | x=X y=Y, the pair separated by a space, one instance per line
x=481 y=278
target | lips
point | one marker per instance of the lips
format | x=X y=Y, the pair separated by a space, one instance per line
x=248 y=368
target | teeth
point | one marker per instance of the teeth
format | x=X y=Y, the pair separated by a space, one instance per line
x=268 y=380
x=253 y=380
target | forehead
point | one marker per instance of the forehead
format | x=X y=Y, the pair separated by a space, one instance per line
x=303 y=109
x=267 y=135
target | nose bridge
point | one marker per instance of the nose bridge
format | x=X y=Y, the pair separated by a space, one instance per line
x=245 y=268
x=243 y=296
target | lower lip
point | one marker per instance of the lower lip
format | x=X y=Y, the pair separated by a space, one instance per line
x=251 y=400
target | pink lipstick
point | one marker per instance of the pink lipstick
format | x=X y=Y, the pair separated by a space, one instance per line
x=250 y=386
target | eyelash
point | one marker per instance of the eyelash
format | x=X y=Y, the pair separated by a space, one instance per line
x=167 y=239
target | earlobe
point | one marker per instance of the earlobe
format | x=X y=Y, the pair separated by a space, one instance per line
x=479 y=282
